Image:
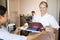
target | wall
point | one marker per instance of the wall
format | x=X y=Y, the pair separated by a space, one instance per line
x=13 y=11
x=29 y=5
x=3 y=2
x=53 y=8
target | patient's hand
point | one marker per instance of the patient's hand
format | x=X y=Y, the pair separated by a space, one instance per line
x=17 y=30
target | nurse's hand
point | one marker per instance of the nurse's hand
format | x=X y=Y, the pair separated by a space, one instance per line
x=50 y=29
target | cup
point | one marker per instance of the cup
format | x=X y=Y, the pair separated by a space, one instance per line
x=26 y=25
x=11 y=27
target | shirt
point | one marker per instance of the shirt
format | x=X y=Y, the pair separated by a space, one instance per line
x=46 y=20
x=3 y=29
x=5 y=35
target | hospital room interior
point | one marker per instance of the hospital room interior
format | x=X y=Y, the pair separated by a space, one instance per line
x=21 y=14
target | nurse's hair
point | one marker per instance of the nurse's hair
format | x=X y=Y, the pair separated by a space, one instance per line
x=43 y=2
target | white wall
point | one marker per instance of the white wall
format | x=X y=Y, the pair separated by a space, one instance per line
x=53 y=8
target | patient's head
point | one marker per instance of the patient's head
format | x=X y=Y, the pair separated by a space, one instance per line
x=3 y=15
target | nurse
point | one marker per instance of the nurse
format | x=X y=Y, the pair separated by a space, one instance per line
x=48 y=22
x=45 y=18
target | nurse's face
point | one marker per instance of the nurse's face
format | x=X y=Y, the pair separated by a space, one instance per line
x=43 y=8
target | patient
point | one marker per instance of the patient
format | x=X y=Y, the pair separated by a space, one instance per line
x=3 y=17
x=4 y=34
